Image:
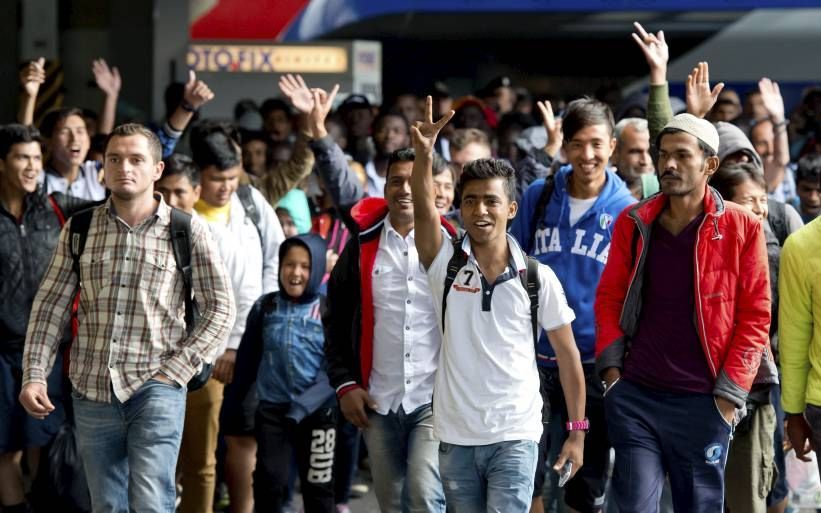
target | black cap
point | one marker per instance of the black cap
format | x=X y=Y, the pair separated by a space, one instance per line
x=355 y=101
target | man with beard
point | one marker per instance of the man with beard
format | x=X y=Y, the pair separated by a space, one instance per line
x=632 y=157
x=668 y=367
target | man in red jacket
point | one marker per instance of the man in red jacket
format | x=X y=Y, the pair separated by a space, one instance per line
x=682 y=315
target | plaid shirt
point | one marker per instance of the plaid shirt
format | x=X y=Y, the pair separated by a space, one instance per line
x=132 y=308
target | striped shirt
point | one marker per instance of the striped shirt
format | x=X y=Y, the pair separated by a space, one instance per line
x=132 y=308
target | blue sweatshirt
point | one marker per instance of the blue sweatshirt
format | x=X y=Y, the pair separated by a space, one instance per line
x=576 y=254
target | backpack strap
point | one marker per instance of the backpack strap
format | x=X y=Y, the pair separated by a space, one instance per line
x=530 y=282
x=78 y=233
x=456 y=262
x=251 y=211
x=543 y=202
x=181 y=245
x=61 y=217
x=777 y=218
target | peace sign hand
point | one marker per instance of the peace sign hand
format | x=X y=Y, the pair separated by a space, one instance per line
x=424 y=133
x=655 y=50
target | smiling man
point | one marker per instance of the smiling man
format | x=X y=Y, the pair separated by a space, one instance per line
x=383 y=345
x=488 y=409
x=681 y=256
x=565 y=222
x=29 y=229
x=132 y=357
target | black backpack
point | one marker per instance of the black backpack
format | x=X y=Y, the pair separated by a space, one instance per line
x=246 y=198
x=181 y=245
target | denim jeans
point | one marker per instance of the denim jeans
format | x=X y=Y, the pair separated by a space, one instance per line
x=404 y=463
x=496 y=478
x=129 y=449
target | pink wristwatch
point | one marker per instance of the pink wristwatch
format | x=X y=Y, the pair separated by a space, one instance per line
x=578 y=425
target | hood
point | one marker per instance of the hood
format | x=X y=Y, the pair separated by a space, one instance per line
x=317 y=247
x=731 y=140
x=296 y=203
x=615 y=189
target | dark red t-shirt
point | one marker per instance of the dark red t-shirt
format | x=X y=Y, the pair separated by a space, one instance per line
x=666 y=352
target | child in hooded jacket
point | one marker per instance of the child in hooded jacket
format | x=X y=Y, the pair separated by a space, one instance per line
x=283 y=351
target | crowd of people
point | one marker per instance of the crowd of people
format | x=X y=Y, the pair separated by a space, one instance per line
x=500 y=294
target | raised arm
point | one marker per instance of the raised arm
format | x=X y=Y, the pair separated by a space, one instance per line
x=553 y=127
x=425 y=216
x=110 y=83
x=656 y=53
x=31 y=77
x=287 y=175
x=700 y=98
x=774 y=169
x=196 y=93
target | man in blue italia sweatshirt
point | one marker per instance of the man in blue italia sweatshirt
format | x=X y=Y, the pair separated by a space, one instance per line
x=566 y=222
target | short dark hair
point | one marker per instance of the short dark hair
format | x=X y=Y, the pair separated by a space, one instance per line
x=586 y=112
x=130 y=129
x=440 y=165
x=809 y=168
x=706 y=150
x=215 y=144
x=178 y=164
x=57 y=116
x=730 y=176
x=15 y=133
x=274 y=104
x=485 y=169
x=400 y=155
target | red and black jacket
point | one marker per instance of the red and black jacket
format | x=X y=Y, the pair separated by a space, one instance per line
x=349 y=317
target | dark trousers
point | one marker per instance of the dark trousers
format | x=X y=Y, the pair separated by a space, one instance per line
x=659 y=433
x=585 y=492
x=313 y=441
x=345 y=459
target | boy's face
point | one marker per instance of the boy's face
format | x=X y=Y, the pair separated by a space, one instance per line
x=21 y=167
x=218 y=186
x=486 y=210
x=287 y=222
x=178 y=192
x=70 y=142
x=809 y=192
x=295 y=270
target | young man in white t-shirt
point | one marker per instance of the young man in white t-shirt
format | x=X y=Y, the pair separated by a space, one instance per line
x=486 y=403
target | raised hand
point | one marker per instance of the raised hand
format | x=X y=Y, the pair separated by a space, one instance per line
x=32 y=76
x=424 y=133
x=700 y=98
x=196 y=92
x=553 y=127
x=771 y=97
x=295 y=88
x=108 y=79
x=655 y=51
x=322 y=104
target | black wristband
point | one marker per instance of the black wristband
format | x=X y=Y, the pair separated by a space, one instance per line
x=187 y=107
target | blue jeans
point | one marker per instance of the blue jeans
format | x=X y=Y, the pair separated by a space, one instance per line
x=496 y=478
x=404 y=463
x=130 y=449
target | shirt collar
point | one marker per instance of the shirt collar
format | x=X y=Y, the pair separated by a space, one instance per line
x=390 y=229
x=163 y=212
x=516 y=253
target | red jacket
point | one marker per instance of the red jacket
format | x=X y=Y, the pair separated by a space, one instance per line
x=732 y=303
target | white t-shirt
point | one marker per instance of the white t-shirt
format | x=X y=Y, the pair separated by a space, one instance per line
x=487 y=384
x=579 y=207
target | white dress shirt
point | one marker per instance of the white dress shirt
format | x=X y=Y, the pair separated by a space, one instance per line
x=406 y=337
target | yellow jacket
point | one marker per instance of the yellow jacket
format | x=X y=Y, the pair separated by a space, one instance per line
x=799 y=341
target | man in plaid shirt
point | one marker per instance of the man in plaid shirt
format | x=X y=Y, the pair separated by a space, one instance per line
x=132 y=358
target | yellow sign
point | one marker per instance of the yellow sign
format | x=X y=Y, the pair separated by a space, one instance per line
x=268 y=59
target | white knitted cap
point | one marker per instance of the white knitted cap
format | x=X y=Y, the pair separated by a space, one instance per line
x=701 y=129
